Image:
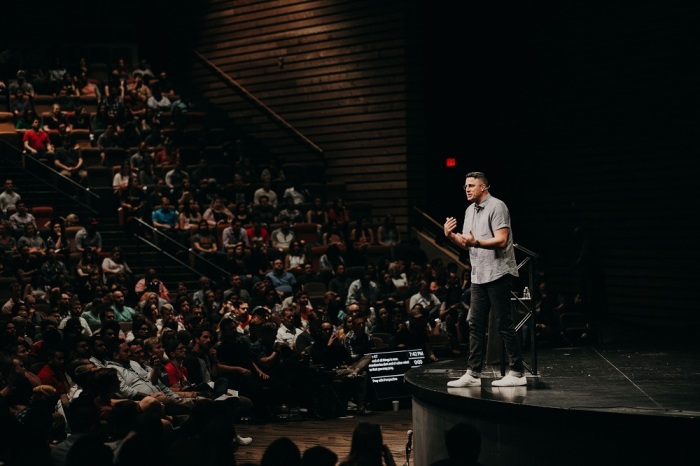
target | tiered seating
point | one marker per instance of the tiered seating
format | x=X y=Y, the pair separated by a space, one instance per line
x=89 y=102
x=7 y=121
x=92 y=156
x=82 y=137
x=7 y=130
x=43 y=103
x=307 y=232
x=43 y=215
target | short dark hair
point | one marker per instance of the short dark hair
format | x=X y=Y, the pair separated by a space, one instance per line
x=479 y=176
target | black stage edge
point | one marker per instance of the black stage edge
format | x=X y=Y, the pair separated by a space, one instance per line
x=586 y=405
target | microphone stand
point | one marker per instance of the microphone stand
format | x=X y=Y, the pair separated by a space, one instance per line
x=408 y=453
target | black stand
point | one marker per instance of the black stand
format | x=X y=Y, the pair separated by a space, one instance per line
x=528 y=304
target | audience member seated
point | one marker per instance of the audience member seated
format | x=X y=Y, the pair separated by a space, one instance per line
x=36 y=142
x=114 y=267
x=362 y=236
x=368 y=447
x=282 y=238
x=109 y=138
x=333 y=234
x=88 y=88
x=9 y=199
x=139 y=86
x=54 y=272
x=339 y=213
x=53 y=373
x=81 y=119
x=415 y=334
x=22 y=110
x=87 y=265
x=295 y=258
x=25 y=123
x=89 y=238
x=121 y=178
x=136 y=383
x=66 y=102
x=385 y=322
x=349 y=377
x=21 y=83
x=426 y=298
x=357 y=341
x=158 y=102
x=281 y=451
x=33 y=240
x=190 y=216
x=167 y=220
x=217 y=213
x=151 y=282
x=266 y=191
x=318 y=214
x=175 y=176
x=387 y=290
x=239 y=191
x=363 y=291
x=205 y=245
x=388 y=234
x=101 y=120
x=132 y=201
x=233 y=361
x=279 y=360
x=283 y=281
x=299 y=196
x=69 y=162
x=233 y=235
x=74 y=317
x=265 y=212
x=237 y=289
x=8 y=243
x=463 y=446
x=258 y=233
x=55 y=118
x=290 y=212
x=330 y=260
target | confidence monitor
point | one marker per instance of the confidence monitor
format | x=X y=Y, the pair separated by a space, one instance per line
x=386 y=371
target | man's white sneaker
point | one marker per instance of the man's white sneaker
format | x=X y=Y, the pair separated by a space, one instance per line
x=512 y=379
x=243 y=440
x=467 y=380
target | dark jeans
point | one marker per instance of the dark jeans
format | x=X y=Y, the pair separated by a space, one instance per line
x=494 y=297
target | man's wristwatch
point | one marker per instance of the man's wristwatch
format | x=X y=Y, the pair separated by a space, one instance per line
x=476 y=244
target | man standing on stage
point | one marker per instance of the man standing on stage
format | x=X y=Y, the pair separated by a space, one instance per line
x=488 y=236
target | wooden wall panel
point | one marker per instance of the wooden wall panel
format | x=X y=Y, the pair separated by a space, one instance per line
x=342 y=83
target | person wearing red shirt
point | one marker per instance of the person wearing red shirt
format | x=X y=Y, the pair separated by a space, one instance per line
x=258 y=232
x=178 y=379
x=36 y=142
x=53 y=374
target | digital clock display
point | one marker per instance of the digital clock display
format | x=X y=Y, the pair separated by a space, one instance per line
x=387 y=369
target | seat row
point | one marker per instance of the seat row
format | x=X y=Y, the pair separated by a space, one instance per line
x=44 y=102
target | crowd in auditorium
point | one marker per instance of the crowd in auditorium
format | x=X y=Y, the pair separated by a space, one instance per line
x=278 y=323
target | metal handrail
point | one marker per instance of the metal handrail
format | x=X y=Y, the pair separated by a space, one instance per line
x=249 y=96
x=37 y=167
x=159 y=234
x=437 y=231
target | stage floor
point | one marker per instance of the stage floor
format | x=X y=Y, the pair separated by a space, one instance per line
x=664 y=382
x=638 y=402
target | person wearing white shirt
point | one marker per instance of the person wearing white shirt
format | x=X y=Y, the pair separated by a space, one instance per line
x=75 y=310
x=287 y=332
